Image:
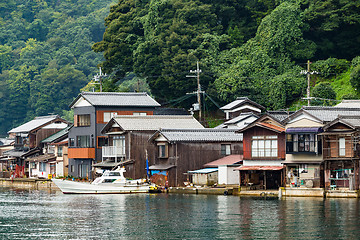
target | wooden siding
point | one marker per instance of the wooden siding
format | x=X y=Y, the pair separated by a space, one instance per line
x=193 y=156
x=41 y=135
x=81 y=153
x=258 y=131
x=100 y=114
x=138 y=142
x=331 y=147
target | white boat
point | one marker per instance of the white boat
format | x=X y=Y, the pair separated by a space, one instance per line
x=109 y=182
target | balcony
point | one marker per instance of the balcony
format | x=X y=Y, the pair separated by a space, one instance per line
x=303 y=147
x=336 y=153
x=81 y=153
x=113 y=152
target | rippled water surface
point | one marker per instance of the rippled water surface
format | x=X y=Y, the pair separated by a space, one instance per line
x=33 y=214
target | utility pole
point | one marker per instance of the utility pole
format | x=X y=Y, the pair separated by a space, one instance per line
x=308 y=82
x=308 y=73
x=98 y=78
x=197 y=71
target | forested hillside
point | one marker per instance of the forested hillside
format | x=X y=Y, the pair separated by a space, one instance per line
x=253 y=48
x=49 y=50
x=46 y=55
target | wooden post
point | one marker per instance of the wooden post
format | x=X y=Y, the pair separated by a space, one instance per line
x=265 y=179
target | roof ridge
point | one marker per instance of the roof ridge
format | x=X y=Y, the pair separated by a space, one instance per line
x=329 y=108
x=155 y=116
x=199 y=129
x=114 y=93
x=48 y=116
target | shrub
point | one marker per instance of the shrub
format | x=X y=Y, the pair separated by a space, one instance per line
x=330 y=67
x=355 y=78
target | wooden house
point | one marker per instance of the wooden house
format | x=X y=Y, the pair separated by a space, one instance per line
x=304 y=139
x=264 y=154
x=182 y=150
x=241 y=105
x=56 y=146
x=128 y=137
x=28 y=139
x=341 y=153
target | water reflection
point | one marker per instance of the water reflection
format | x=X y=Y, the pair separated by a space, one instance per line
x=43 y=215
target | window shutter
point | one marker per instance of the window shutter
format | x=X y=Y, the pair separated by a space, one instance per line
x=75 y=120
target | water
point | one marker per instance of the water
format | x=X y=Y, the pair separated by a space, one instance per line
x=30 y=214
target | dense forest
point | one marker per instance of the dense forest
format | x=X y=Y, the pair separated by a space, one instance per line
x=50 y=50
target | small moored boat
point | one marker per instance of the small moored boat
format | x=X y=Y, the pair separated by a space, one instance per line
x=109 y=182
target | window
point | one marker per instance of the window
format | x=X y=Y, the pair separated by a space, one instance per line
x=83 y=141
x=83 y=170
x=109 y=115
x=163 y=150
x=306 y=143
x=42 y=167
x=139 y=114
x=264 y=146
x=60 y=151
x=51 y=149
x=303 y=142
x=102 y=141
x=225 y=149
x=71 y=142
x=119 y=143
x=83 y=120
x=341 y=146
x=303 y=168
x=72 y=168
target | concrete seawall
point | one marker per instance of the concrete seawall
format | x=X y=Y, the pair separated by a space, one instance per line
x=29 y=183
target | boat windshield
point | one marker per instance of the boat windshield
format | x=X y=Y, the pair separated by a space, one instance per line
x=114 y=174
x=110 y=174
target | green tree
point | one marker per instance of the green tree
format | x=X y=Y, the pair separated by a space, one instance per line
x=355 y=78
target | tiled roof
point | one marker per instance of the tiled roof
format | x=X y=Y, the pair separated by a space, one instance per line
x=228 y=160
x=349 y=104
x=57 y=135
x=6 y=141
x=33 y=124
x=328 y=114
x=239 y=118
x=201 y=135
x=279 y=115
x=353 y=120
x=127 y=99
x=240 y=101
x=155 y=122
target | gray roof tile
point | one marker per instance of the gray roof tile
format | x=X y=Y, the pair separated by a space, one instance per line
x=328 y=114
x=349 y=104
x=241 y=101
x=33 y=124
x=155 y=122
x=127 y=99
x=201 y=135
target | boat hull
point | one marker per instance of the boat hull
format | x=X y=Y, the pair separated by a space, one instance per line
x=71 y=187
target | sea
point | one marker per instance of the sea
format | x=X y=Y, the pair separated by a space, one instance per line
x=37 y=214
